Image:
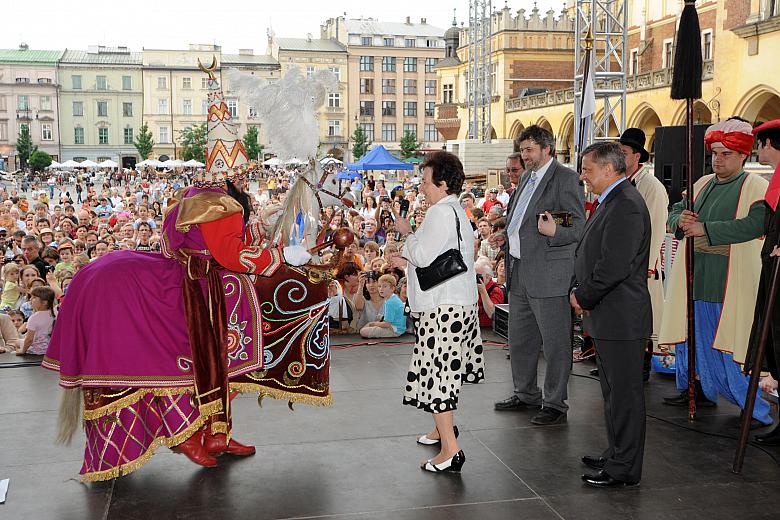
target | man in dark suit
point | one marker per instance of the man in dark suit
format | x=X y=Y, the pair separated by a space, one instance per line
x=610 y=269
x=540 y=267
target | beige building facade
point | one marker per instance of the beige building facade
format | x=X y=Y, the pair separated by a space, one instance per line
x=29 y=85
x=393 y=84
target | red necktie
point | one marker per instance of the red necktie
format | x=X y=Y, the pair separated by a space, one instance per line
x=593 y=208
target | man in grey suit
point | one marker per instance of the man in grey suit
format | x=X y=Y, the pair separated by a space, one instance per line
x=540 y=269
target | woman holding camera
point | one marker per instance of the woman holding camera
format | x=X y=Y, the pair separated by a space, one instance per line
x=448 y=350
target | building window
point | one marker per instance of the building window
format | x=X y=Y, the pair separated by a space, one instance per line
x=431 y=134
x=75 y=82
x=162 y=135
x=430 y=109
x=309 y=71
x=334 y=128
x=186 y=83
x=3 y=131
x=410 y=86
x=24 y=127
x=204 y=106
x=368 y=130
x=366 y=86
x=101 y=83
x=128 y=135
x=431 y=43
x=127 y=83
x=162 y=106
x=388 y=42
x=410 y=42
x=102 y=135
x=78 y=108
x=252 y=112
x=410 y=108
x=102 y=108
x=45 y=102
x=186 y=108
x=430 y=63
x=22 y=80
x=706 y=45
x=367 y=108
x=633 y=64
x=388 y=108
x=448 y=93
x=388 y=64
x=162 y=83
x=430 y=87
x=366 y=40
x=668 y=56
x=334 y=100
x=204 y=82
x=23 y=103
x=410 y=128
x=388 y=131
x=3 y=106
x=388 y=86
x=127 y=109
x=367 y=63
x=410 y=64
x=336 y=72
x=46 y=133
x=78 y=135
x=233 y=107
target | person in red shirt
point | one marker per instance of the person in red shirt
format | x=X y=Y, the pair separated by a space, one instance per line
x=490 y=293
x=492 y=200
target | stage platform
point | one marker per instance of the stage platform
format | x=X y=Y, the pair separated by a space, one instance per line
x=358 y=459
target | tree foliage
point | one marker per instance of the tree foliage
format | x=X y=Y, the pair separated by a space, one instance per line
x=410 y=146
x=361 y=144
x=24 y=145
x=252 y=145
x=193 y=142
x=39 y=160
x=144 y=142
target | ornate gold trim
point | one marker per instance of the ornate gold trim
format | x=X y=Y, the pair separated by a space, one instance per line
x=129 y=400
x=265 y=391
x=206 y=206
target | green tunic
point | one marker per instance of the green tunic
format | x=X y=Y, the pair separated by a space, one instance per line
x=716 y=206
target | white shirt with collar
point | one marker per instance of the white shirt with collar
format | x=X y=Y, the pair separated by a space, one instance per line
x=514 y=238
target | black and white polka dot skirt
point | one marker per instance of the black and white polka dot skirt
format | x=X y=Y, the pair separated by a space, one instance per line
x=448 y=352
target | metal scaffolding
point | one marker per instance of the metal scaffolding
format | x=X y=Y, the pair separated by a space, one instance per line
x=607 y=22
x=479 y=73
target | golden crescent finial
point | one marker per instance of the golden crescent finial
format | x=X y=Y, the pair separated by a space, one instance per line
x=210 y=69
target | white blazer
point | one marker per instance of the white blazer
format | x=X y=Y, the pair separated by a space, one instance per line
x=436 y=235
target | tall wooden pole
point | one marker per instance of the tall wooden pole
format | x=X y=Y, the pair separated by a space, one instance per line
x=689 y=271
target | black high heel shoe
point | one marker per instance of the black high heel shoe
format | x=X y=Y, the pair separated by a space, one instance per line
x=426 y=441
x=453 y=464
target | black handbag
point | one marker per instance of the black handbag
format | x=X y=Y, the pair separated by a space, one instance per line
x=447 y=265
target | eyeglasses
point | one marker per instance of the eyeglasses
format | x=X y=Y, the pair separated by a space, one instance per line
x=514 y=170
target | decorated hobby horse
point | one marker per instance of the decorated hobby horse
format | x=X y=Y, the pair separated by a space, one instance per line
x=221 y=310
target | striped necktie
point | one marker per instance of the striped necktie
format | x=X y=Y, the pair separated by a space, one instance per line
x=522 y=204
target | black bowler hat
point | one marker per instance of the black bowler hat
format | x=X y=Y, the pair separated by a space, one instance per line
x=635 y=138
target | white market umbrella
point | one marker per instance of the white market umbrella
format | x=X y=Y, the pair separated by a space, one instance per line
x=87 y=164
x=330 y=160
x=192 y=163
x=108 y=163
x=54 y=165
x=152 y=163
x=70 y=163
x=273 y=162
x=172 y=163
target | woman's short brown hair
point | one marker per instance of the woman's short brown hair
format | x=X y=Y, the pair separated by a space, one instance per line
x=447 y=168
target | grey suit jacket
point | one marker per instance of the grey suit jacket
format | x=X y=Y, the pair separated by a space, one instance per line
x=547 y=263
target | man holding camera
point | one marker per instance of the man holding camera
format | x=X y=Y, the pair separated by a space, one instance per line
x=540 y=266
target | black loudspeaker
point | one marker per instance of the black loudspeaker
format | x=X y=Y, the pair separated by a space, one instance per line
x=670 y=167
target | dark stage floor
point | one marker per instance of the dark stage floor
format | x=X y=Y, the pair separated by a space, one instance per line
x=359 y=459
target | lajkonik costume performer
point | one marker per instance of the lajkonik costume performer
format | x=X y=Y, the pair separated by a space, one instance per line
x=729 y=210
x=215 y=313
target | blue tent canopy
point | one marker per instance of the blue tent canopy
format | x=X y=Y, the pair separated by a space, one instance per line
x=346 y=175
x=379 y=159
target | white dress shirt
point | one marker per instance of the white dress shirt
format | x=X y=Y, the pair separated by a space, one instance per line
x=514 y=238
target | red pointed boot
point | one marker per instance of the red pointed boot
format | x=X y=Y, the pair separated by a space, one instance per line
x=216 y=445
x=194 y=450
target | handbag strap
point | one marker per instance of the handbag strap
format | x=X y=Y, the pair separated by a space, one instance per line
x=457 y=225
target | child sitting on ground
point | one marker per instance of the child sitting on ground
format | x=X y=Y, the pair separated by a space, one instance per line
x=393 y=322
x=40 y=324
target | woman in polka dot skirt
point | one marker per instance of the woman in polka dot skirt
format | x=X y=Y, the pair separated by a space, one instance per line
x=448 y=351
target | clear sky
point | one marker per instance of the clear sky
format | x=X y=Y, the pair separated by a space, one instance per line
x=172 y=24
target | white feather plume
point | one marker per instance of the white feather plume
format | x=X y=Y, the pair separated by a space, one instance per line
x=288 y=107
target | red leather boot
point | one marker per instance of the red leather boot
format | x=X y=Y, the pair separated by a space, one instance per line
x=194 y=450
x=216 y=445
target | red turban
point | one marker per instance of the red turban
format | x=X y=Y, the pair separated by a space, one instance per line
x=737 y=141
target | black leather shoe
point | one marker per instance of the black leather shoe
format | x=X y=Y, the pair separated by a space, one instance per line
x=682 y=400
x=548 y=416
x=769 y=439
x=594 y=462
x=453 y=464
x=515 y=403
x=594 y=372
x=602 y=479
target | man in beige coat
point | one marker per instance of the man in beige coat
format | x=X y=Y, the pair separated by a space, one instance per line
x=632 y=142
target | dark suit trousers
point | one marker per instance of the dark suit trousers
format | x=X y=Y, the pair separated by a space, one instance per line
x=620 y=373
x=536 y=324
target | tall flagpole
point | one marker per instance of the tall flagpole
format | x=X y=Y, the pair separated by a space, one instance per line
x=587 y=96
x=686 y=84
